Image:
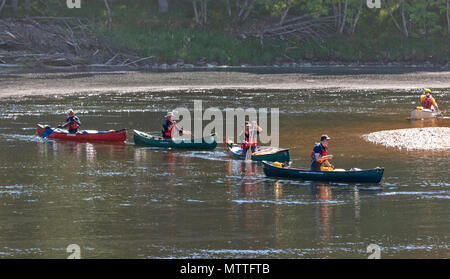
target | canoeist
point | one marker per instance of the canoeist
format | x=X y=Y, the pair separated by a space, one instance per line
x=72 y=122
x=427 y=101
x=319 y=155
x=169 y=125
x=249 y=137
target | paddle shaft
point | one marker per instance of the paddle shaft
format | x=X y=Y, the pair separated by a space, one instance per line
x=248 y=154
x=182 y=130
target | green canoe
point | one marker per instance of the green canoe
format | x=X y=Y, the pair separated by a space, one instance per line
x=262 y=153
x=361 y=176
x=208 y=143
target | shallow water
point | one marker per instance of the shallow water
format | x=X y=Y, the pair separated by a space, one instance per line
x=123 y=201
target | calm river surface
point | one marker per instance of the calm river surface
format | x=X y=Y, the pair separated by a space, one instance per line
x=123 y=201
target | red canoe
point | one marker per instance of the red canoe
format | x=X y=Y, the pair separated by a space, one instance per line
x=87 y=135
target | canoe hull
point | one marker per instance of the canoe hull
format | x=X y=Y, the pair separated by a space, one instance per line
x=281 y=155
x=418 y=114
x=361 y=176
x=115 y=136
x=207 y=143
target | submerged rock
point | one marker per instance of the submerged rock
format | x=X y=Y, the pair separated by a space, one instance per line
x=433 y=138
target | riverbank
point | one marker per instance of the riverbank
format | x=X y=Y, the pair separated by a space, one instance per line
x=18 y=83
x=71 y=43
x=181 y=66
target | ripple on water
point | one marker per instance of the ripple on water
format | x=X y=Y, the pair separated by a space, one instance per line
x=13 y=190
x=428 y=195
x=12 y=137
x=287 y=202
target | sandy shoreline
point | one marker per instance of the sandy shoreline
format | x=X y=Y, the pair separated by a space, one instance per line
x=13 y=84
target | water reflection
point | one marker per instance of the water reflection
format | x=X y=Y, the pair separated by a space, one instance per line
x=321 y=193
x=172 y=203
x=81 y=151
x=433 y=122
x=278 y=212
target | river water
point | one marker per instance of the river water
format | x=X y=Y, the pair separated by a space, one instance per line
x=123 y=201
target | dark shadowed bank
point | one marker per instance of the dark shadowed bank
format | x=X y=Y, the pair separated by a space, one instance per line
x=186 y=34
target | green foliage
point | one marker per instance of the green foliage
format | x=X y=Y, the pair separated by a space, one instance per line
x=137 y=25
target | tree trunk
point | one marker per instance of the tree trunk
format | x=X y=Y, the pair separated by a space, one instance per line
x=392 y=16
x=335 y=12
x=249 y=9
x=341 y=30
x=357 y=17
x=405 y=29
x=4 y=1
x=339 y=15
x=163 y=6
x=194 y=4
x=15 y=5
x=205 y=21
x=283 y=16
x=241 y=9
x=448 y=15
x=109 y=13
x=228 y=8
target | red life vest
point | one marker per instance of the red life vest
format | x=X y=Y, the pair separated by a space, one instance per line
x=323 y=151
x=247 y=139
x=168 y=133
x=427 y=103
x=72 y=124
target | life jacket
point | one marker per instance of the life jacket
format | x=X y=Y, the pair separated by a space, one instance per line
x=72 y=123
x=323 y=151
x=250 y=143
x=427 y=103
x=167 y=133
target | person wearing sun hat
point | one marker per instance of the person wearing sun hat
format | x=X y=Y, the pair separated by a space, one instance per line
x=169 y=124
x=319 y=154
x=72 y=122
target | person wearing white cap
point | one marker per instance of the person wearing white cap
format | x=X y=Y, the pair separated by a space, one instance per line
x=72 y=122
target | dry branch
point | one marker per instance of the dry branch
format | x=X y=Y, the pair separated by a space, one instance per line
x=58 y=41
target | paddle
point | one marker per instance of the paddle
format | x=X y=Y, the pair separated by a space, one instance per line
x=248 y=154
x=48 y=131
x=182 y=131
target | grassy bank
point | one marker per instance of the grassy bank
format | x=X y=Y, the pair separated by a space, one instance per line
x=175 y=35
x=194 y=44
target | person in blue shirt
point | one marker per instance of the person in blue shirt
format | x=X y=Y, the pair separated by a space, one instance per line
x=319 y=155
